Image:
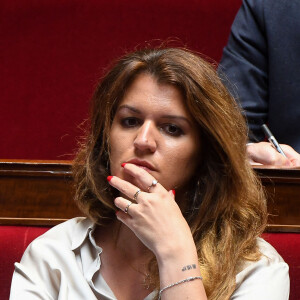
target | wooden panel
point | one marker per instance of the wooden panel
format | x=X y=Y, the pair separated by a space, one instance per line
x=283 y=191
x=36 y=193
x=41 y=193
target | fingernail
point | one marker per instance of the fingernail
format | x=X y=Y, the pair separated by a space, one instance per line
x=123 y=165
x=109 y=178
x=173 y=191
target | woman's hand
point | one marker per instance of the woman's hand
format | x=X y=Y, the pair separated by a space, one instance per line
x=157 y=221
x=264 y=153
x=155 y=217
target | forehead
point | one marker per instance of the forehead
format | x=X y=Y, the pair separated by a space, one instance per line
x=147 y=94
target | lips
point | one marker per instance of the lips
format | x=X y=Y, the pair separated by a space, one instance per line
x=142 y=164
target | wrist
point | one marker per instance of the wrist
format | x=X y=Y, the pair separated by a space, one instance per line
x=178 y=265
x=172 y=250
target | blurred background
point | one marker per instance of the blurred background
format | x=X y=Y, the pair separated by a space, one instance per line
x=53 y=52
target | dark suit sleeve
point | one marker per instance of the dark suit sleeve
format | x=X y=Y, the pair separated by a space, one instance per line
x=244 y=64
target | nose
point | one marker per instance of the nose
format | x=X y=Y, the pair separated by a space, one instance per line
x=145 y=139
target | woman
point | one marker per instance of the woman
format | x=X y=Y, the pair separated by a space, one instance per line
x=174 y=208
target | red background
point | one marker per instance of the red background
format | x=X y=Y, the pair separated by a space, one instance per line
x=52 y=53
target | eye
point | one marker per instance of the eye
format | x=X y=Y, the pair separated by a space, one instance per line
x=130 y=122
x=173 y=130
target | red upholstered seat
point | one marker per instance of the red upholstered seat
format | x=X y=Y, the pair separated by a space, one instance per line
x=288 y=246
x=13 y=242
x=15 y=239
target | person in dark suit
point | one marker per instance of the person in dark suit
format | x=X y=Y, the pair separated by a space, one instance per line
x=262 y=63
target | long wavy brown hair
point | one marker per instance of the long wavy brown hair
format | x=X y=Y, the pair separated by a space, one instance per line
x=225 y=204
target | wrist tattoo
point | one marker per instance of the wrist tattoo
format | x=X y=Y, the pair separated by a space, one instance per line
x=188 y=267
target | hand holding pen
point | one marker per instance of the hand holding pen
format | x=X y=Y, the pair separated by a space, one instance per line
x=271 y=153
x=272 y=139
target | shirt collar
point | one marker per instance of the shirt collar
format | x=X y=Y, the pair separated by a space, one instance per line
x=81 y=231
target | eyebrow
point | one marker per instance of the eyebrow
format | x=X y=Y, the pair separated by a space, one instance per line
x=135 y=110
x=124 y=106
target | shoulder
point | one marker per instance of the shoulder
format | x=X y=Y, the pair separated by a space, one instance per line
x=251 y=13
x=61 y=237
x=44 y=270
x=269 y=252
x=268 y=8
x=63 y=231
x=267 y=278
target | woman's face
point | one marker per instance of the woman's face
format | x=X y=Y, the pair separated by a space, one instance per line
x=153 y=129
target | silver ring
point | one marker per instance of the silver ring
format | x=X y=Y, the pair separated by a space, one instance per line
x=136 y=195
x=154 y=183
x=127 y=207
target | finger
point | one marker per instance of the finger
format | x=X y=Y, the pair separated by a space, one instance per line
x=291 y=154
x=265 y=154
x=253 y=163
x=124 y=218
x=145 y=180
x=124 y=205
x=295 y=162
x=276 y=159
x=126 y=188
x=172 y=193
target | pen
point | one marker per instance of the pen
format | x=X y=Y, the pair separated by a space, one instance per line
x=272 y=139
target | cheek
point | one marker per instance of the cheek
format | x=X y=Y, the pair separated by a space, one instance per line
x=183 y=162
x=114 y=162
x=120 y=145
x=114 y=152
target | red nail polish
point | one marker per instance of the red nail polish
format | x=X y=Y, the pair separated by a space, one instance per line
x=109 y=178
x=123 y=165
x=173 y=191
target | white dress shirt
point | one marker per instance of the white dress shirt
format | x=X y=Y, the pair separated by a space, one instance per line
x=64 y=263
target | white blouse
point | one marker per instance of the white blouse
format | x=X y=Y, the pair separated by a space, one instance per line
x=64 y=263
